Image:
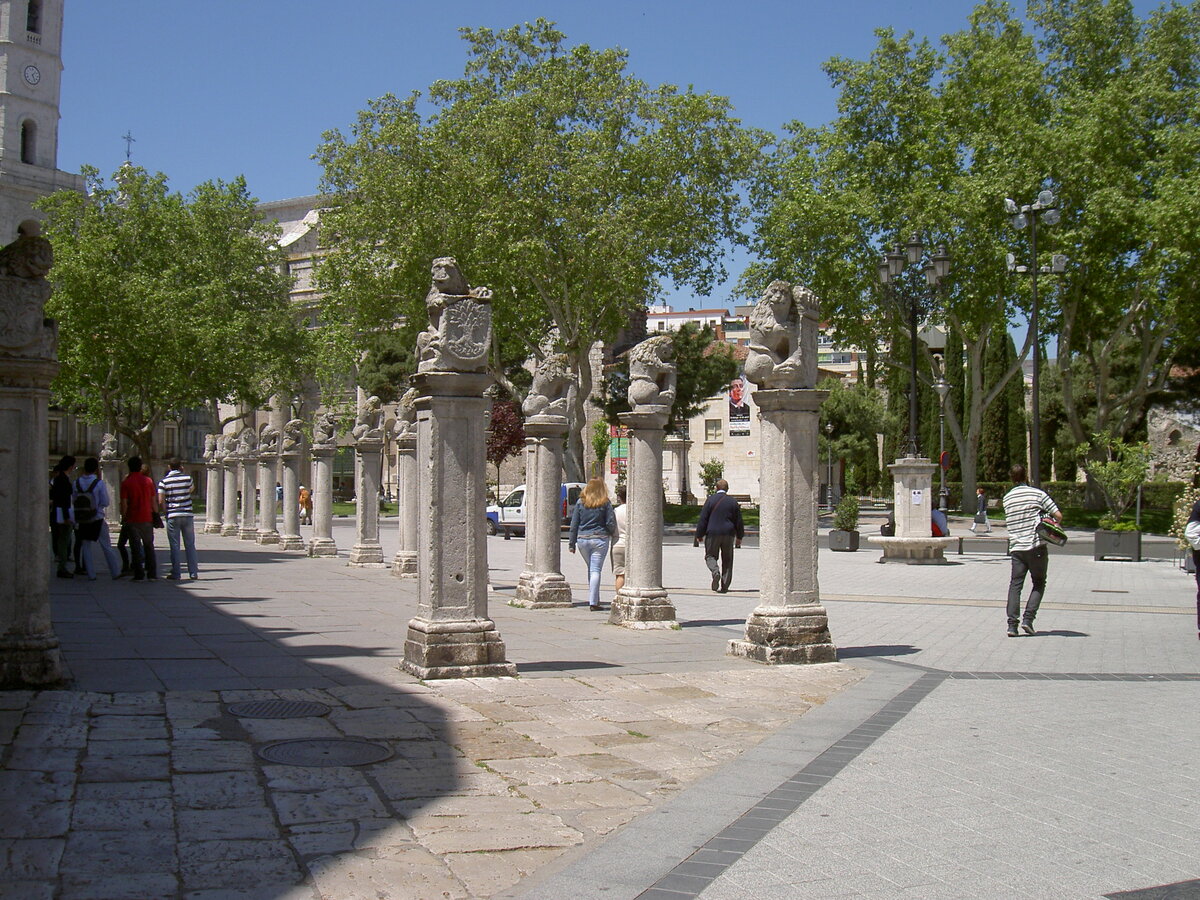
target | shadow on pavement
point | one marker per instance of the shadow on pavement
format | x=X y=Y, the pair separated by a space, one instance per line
x=878 y=650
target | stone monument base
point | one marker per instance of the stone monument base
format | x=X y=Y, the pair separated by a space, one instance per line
x=466 y=648
x=642 y=609
x=324 y=547
x=366 y=556
x=30 y=660
x=915 y=551
x=404 y=564
x=786 y=635
x=267 y=537
x=291 y=542
x=542 y=590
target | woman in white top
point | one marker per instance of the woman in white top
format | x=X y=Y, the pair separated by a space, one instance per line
x=618 y=547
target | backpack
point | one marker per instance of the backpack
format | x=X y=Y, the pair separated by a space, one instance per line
x=84 y=503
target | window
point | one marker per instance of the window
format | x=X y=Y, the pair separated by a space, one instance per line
x=28 y=142
x=55 y=441
x=171 y=441
x=81 y=439
x=33 y=16
x=712 y=430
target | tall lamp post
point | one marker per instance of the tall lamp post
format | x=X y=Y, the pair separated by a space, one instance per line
x=942 y=388
x=936 y=268
x=829 y=462
x=1045 y=209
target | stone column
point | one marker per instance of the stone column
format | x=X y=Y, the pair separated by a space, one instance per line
x=29 y=651
x=451 y=636
x=643 y=602
x=267 y=531
x=678 y=448
x=213 y=486
x=789 y=625
x=542 y=584
x=322 y=543
x=247 y=529
x=229 y=507
x=290 y=538
x=404 y=564
x=110 y=471
x=367 y=551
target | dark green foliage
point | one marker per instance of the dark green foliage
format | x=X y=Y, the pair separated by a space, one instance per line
x=389 y=361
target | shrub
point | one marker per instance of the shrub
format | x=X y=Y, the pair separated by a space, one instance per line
x=845 y=514
x=711 y=471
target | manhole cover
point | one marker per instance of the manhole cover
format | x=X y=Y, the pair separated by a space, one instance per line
x=324 y=752
x=278 y=709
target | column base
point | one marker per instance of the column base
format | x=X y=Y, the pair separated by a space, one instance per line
x=323 y=547
x=212 y=527
x=404 y=564
x=542 y=590
x=915 y=551
x=229 y=531
x=32 y=661
x=267 y=537
x=291 y=542
x=368 y=556
x=787 y=635
x=466 y=648
x=247 y=534
x=642 y=609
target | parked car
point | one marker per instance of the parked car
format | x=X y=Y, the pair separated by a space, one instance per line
x=510 y=512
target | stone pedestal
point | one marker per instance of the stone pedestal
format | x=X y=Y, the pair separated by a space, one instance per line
x=247 y=526
x=110 y=471
x=643 y=602
x=322 y=543
x=451 y=635
x=290 y=538
x=789 y=625
x=213 y=495
x=912 y=487
x=29 y=650
x=367 y=551
x=229 y=505
x=268 y=533
x=676 y=448
x=404 y=564
x=542 y=584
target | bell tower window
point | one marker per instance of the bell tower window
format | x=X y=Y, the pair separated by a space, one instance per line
x=29 y=142
x=33 y=17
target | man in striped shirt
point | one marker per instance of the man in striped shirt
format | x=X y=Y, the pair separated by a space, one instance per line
x=1024 y=507
x=175 y=497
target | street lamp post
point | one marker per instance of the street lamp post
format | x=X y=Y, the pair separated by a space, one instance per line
x=1045 y=208
x=829 y=462
x=942 y=388
x=936 y=268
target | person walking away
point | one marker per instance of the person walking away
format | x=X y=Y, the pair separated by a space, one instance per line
x=175 y=498
x=89 y=505
x=305 y=501
x=593 y=521
x=62 y=525
x=139 y=502
x=721 y=529
x=621 y=513
x=1024 y=508
x=981 y=525
x=1192 y=534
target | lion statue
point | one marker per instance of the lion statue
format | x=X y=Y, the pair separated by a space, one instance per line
x=550 y=393
x=30 y=255
x=247 y=442
x=210 y=448
x=651 y=372
x=406 y=415
x=367 y=426
x=325 y=429
x=268 y=441
x=460 y=322
x=293 y=436
x=783 y=338
x=228 y=444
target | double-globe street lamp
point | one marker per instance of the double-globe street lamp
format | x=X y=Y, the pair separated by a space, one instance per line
x=943 y=388
x=936 y=268
x=829 y=464
x=1045 y=210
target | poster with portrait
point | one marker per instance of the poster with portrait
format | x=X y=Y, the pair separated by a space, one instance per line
x=739 y=411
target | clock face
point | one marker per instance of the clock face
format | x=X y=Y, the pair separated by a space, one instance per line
x=32 y=75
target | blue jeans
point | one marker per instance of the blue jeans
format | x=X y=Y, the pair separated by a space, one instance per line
x=593 y=550
x=178 y=526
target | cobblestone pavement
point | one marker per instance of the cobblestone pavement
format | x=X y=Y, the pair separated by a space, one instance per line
x=618 y=756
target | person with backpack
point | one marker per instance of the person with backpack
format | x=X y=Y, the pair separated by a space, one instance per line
x=62 y=526
x=721 y=529
x=88 y=504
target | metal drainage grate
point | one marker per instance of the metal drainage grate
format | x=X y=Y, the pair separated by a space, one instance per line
x=278 y=709
x=324 y=752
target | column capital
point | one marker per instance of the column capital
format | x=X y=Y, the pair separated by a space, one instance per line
x=648 y=418
x=546 y=426
x=449 y=384
x=789 y=400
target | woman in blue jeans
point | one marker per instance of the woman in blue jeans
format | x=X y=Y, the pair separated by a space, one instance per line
x=593 y=522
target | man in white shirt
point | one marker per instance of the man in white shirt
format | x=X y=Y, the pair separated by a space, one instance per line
x=1024 y=508
x=95 y=532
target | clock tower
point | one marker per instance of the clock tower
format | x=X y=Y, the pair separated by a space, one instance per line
x=30 y=81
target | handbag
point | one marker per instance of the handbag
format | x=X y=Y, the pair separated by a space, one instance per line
x=158 y=522
x=980 y=518
x=1049 y=532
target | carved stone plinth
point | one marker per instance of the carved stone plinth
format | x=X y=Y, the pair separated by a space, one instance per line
x=367 y=552
x=229 y=505
x=404 y=563
x=247 y=526
x=643 y=603
x=789 y=625
x=29 y=650
x=322 y=543
x=452 y=635
x=289 y=538
x=542 y=584
x=677 y=448
x=267 y=531
x=912 y=492
x=213 y=496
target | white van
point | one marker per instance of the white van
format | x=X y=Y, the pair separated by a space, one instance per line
x=510 y=512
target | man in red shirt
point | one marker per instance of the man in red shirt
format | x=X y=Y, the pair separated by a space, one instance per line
x=139 y=502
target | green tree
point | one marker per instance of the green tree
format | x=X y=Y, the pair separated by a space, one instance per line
x=166 y=302
x=552 y=175
x=505 y=435
x=389 y=360
x=856 y=413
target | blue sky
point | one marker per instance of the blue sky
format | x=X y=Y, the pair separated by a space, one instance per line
x=246 y=87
